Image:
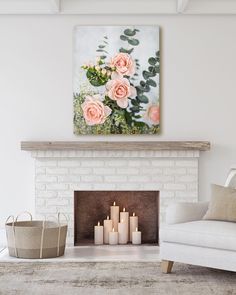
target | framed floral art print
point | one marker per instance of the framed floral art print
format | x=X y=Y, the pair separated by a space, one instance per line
x=116 y=80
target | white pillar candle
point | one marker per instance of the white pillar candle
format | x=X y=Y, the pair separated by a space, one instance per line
x=115 y=210
x=122 y=232
x=133 y=223
x=98 y=234
x=107 y=224
x=125 y=216
x=113 y=237
x=136 y=237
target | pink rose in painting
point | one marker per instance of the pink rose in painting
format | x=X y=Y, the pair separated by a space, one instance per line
x=119 y=90
x=154 y=114
x=124 y=64
x=94 y=111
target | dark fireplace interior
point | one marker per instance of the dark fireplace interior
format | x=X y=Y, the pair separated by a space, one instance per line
x=93 y=206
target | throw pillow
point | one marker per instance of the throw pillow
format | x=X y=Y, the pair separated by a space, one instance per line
x=222 y=205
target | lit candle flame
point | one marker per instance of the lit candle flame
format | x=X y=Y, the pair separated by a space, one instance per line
x=107 y=217
x=123 y=209
x=136 y=229
x=98 y=223
x=114 y=203
x=133 y=214
x=122 y=220
x=113 y=229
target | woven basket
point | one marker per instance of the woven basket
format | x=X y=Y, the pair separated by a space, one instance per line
x=36 y=238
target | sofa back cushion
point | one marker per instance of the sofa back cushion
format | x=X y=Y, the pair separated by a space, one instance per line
x=222 y=205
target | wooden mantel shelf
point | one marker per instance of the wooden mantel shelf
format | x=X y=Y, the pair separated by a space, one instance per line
x=115 y=145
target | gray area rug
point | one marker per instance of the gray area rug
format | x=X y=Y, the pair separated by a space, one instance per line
x=140 y=278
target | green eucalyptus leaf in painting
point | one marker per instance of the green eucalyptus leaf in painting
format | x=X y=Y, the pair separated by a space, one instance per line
x=151 y=83
x=151 y=69
x=101 y=50
x=103 y=56
x=152 y=61
x=137 y=62
x=133 y=42
x=143 y=98
x=101 y=46
x=157 y=69
x=134 y=109
x=139 y=89
x=129 y=51
x=146 y=75
x=129 y=32
x=146 y=88
x=124 y=38
x=152 y=74
x=142 y=83
x=134 y=102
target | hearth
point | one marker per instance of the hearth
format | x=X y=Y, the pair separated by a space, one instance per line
x=91 y=207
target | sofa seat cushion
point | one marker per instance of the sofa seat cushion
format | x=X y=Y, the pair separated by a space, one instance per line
x=203 y=233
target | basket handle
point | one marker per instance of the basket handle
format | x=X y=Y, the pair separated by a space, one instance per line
x=13 y=232
x=59 y=233
x=59 y=230
x=24 y=212
x=41 y=241
x=42 y=237
x=13 y=219
x=59 y=217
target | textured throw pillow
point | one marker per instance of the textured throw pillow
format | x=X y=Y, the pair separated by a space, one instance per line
x=222 y=205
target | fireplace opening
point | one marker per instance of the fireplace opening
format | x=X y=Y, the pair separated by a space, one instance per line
x=91 y=207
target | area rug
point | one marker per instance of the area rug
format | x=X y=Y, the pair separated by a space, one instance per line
x=139 y=278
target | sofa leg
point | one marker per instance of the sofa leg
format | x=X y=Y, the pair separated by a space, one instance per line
x=166 y=266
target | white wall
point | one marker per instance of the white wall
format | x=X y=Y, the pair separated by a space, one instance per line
x=198 y=92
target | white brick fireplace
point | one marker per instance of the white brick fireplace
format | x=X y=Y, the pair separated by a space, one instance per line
x=58 y=173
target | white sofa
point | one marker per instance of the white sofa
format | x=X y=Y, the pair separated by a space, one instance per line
x=188 y=239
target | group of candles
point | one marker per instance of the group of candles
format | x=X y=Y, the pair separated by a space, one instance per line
x=119 y=229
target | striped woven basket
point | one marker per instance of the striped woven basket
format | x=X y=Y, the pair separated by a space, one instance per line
x=36 y=238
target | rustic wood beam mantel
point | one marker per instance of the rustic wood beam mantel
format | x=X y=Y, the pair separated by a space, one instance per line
x=115 y=145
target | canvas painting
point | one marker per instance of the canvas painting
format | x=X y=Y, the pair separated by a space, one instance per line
x=116 y=80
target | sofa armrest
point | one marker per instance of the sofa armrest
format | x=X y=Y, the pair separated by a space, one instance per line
x=185 y=212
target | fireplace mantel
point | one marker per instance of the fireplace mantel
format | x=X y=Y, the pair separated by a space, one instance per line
x=115 y=145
